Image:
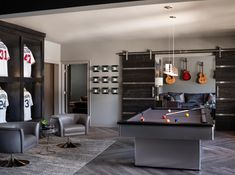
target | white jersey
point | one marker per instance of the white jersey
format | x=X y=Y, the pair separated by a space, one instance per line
x=28 y=61
x=4 y=57
x=28 y=102
x=3 y=106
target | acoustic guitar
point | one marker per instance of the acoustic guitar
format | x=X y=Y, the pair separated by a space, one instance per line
x=201 y=76
x=170 y=79
x=185 y=74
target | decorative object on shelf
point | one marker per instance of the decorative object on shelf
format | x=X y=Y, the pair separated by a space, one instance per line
x=95 y=79
x=170 y=69
x=185 y=73
x=114 y=79
x=114 y=90
x=96 y=90
x=201 y=79
x=105 y=79
x=105 y=90
x=105 y=68
x=114 y=68
x=95 y=68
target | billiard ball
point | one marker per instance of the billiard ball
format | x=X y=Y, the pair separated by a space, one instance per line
x=186 y=114
x=176 y=120
x=169 y=110
x=142 y=119
x=168 y=120
x=164 y=117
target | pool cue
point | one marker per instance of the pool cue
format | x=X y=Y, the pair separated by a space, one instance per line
x=187 y=110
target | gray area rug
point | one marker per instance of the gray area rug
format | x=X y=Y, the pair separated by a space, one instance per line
x=61 y=161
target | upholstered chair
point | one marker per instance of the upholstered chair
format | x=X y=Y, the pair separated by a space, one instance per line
x=72 y=125
x=17 y=137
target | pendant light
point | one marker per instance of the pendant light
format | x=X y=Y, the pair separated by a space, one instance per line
x=170 y=68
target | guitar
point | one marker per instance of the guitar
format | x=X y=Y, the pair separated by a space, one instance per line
x=170 y=79
x=201 y=76
x=186 y=74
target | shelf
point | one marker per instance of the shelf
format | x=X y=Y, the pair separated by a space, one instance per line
x=9 y=79
x=222 y=114
x=138 y=98
x=225 y=82
x=138 y=83
x=138 y=68
x=32 y=80
x=225 y=66
x=129 y=113
x=225 y=99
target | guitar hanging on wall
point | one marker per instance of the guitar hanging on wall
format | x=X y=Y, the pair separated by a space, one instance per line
x=201 y=76
x=170 y=79
x=185 y=74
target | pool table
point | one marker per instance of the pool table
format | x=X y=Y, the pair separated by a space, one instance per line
x=169 y=144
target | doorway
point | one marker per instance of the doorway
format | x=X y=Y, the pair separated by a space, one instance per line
x=77 y=88
x=48 y=90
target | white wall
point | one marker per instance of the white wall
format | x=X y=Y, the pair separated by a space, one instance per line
x=105 y=109
x=52 y=54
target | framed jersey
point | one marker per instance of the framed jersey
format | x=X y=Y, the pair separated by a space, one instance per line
x=3 y=105
x=28 y=102
x=28 y=61
x=4 y=57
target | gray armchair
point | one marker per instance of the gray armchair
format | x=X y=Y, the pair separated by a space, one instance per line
x=72 y=125
x=17 y=137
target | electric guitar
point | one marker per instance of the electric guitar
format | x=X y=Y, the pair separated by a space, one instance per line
x=201 y=76
x=186 y=74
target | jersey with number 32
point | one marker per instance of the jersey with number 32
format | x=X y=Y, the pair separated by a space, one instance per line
x=28 y=102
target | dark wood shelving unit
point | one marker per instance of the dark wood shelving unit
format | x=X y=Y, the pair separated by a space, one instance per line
x=15 y=37
x=225 y=93
x=137 y=83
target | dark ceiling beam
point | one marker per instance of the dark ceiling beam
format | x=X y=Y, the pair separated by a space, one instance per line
x=21 y=6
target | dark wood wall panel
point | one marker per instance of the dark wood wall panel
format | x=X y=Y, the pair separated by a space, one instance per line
x=225 y=74
x=226 y=91
x=137 y=105
x=137 y=90
x=146 y=75
x=225 y=107
x=138 y=61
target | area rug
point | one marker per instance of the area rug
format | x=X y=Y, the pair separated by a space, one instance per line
x=59 y=162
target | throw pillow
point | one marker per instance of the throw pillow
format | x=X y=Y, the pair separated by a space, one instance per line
x=178 y=97
x=194 y=98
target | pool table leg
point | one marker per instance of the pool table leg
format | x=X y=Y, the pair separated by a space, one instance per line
x=168 y=153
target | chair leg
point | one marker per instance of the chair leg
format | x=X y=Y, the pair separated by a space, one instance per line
x=69 y=144
x=12 y=162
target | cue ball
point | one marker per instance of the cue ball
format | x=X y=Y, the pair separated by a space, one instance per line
x=169 y=110
x=187 y=114
x=142 y=119
x=168 y=120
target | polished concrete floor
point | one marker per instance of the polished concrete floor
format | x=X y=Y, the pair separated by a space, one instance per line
x=218 y=157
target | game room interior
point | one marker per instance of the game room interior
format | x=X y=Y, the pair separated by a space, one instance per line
x=135 y=87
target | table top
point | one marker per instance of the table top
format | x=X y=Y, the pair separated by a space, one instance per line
x=50 y=130
x=197 y=117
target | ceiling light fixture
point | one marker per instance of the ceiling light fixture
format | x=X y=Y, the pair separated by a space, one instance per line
x=170 y=69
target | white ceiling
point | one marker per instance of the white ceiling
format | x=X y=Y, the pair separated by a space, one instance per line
x=209 y=17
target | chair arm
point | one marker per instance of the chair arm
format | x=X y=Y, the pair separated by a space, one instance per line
x=12 y=140
x=63 y=119
x=30 y=128
x=85 y=120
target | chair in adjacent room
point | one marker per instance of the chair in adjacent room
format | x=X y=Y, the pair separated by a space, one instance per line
x=72 y=125
x=17 y=137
